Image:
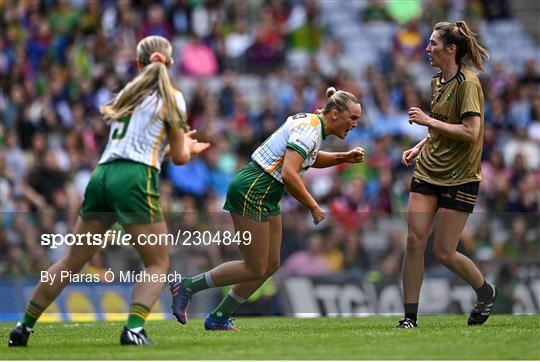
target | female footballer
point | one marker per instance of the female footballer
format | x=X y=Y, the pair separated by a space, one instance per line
x=147 y=120
x=253 y=201
x=447 y=173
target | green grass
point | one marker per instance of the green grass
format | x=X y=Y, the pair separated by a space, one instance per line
x=439 y=337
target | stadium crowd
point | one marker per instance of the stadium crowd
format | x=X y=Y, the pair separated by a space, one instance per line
x=244 y=67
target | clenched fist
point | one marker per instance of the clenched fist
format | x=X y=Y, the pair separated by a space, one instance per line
x=356 y=155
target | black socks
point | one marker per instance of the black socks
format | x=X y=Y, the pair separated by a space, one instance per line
x=484 y=292
x=411 y=310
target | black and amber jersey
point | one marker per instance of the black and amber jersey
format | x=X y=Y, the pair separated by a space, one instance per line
x=443 y=160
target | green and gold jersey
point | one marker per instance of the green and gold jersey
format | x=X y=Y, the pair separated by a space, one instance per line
x=138 y=137
x=302 y=132
x=443 y=160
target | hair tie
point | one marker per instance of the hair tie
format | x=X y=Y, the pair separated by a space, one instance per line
x=158 y=57
x=460 y=25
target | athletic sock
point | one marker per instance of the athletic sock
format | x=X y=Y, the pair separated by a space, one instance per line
x=137 y=316
x=228 y=306
x=484 y=292
x=32 y=314
x=197 y=283
x=411 y=310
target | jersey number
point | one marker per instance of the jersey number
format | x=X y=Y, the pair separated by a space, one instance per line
x=118 y=133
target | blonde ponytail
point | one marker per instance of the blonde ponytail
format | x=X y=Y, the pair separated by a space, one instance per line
x=330 y=91
x=154 y=53
x=337 y=99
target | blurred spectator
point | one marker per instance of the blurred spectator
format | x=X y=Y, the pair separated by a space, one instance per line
x=497 y=9
x=474 y=10
x=309 y=262
x=214 y=40
x=192 y=178
x=409 y=41
x=354 y=257
x=351 y=209
x=267 y=50
x=524 y=199
x=493 y=170
x=63 y=18
x=205 y=14
x=330 y=58
x=236 y=45
x=531 y=74
x=435 y=11
x=520 y=243
x=534 y=127
x=497 y=117
x=48 y=177
x=17 y=265
x=333 y=239
x=304 y=27
x=155 y=23
x=198 y=59
x=181 y=15
x=404 y=11
x=15 y=158
x=375 y=11
x=392 y=258
x=522 y=152
x=506 y=281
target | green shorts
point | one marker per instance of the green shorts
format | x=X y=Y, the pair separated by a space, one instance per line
x=123 y=191
x=253 y=193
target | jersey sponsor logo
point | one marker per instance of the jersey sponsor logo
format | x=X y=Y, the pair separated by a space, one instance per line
x=440 y=117
x=449 y=97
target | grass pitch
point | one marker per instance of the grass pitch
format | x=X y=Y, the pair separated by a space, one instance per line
x=439 y=337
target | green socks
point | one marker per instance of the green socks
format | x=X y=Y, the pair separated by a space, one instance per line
x=228 y=306
x=33 y=312
x=136 y=319
x=137 y=316
x=197 y=283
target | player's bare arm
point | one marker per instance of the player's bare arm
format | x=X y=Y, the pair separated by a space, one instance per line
x=329 y=159
x=294 y=184
x=467 y=131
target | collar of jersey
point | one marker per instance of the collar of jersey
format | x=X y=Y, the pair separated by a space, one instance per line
x=322 y=127
x=451 y=79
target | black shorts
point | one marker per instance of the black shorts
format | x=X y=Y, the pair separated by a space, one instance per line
x=459 y=197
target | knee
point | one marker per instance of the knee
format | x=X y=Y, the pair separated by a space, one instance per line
x=272 y=268
x=160 y=263
x=164 y=264
x=258 y=270
x=443 y=256
x=415 y=243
